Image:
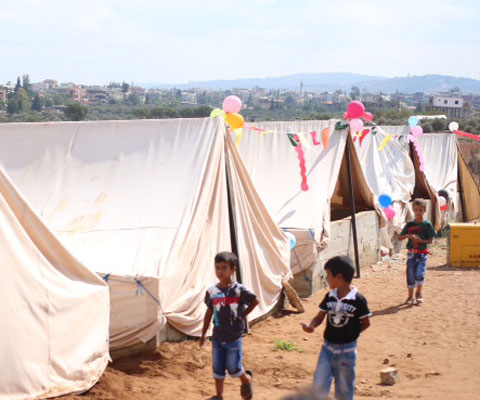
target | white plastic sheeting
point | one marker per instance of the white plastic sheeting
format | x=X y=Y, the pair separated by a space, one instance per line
x=274 y=168
x=441 y=162
x=144 y=203
x=54 y=335
x=389 y=171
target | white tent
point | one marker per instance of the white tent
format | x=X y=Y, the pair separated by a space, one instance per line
x=388 y=171
x=273 y=165
x=145 y=204
x=54 y=336
x=445 y=169
x=441 y=161
x=423 y=188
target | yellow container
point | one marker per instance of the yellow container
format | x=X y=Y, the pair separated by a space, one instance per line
x=464 y=245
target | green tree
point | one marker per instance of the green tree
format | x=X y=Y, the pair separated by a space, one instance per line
x=12 y=106
x=26 y=83
x=125 y=87
x=134 y=100
x=438 y=125
x=76 y=112
x=202 y=111
x=23 y=100
x=18 y=85
x=178 y=94
x=37 y=104
x=355 y=93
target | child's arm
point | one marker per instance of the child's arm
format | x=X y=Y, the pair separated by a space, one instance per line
x=365 y=323
x=426 y=241
x=317 y=320
x=206 y=322
x=250 y=307
x=403 y=237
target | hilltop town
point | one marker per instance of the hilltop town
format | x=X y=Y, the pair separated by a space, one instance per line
x=53 y=100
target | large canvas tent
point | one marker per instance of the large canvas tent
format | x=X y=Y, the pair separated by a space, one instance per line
x=54 y=335
x=445 y=169
x=388 y=171
x=145 y=204
x=423 y=188
x=273 y=166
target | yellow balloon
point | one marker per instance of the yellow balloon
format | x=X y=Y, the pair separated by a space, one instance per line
x=216 y=112
x=234 y=120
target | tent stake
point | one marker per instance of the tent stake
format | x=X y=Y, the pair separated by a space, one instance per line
x=352 y=198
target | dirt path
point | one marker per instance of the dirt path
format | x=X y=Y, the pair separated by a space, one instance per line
x=436 y=347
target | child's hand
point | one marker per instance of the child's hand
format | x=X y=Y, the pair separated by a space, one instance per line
x=415 y=238
x=201 y=342
x=307 y=328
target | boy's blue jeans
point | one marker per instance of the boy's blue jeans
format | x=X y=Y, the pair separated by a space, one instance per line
x=336 y=360
x=416 y=268
x=227 y=356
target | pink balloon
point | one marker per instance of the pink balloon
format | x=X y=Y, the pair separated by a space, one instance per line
x=346 y=116
x=417 y=130
x=232 y=104
x=356 y=124
x=389 y=212
x=367 y=116
x=355 y=109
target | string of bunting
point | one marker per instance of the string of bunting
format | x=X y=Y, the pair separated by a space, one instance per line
x=232 y=105
x=453 y=127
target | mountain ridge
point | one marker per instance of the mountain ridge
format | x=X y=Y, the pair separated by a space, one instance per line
x=321 y=82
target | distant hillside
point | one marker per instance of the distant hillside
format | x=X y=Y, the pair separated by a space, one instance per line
x=332 y=81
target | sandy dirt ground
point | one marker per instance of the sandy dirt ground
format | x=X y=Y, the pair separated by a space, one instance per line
x=435 y=347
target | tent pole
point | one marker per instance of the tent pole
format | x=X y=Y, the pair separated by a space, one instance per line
x=352 y=198
x=231 y=217
x=460 y=189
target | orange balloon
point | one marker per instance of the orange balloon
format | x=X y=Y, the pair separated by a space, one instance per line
x=234 y=120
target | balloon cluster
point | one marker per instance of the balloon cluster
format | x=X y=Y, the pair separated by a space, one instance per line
x=231 y=107
x=355 y=112
x=385 y=201
x=415 y=129
x=453 y=126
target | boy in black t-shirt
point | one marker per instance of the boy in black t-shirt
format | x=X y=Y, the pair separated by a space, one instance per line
x=347 y=316
x=226 y=301
x=420 y=234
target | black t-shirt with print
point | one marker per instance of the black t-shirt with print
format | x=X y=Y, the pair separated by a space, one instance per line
x=424 y=230
x=343 y=316
x=228 y=305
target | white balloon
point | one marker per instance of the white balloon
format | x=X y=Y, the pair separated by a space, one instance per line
x=453 y=126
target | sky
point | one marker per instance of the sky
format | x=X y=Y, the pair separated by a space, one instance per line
x=176 y=41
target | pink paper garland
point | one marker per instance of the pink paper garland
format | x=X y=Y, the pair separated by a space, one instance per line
x=301 y=158
x=467 y=135
x=314 y=138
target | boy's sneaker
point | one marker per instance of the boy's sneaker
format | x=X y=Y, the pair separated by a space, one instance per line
x=419 y=299
x=410 y=301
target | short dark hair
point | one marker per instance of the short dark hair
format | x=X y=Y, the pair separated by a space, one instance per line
x=341 y=265
x=421 y=203
x=227 y=257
